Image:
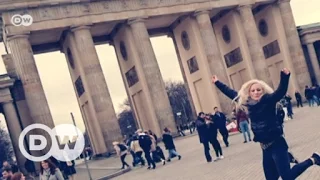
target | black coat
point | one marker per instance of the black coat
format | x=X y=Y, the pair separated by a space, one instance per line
x=220 y=121
x=212 y=131
x=168 y=141
x=202 y=129
x=264 y=122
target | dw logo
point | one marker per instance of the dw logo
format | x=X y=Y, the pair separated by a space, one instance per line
x=24 y=20
x=65 y=131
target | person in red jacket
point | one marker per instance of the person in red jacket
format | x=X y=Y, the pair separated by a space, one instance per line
x=243 y=122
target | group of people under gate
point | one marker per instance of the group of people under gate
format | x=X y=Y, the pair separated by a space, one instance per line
x=146 y=142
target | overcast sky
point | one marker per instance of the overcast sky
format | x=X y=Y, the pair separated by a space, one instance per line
x=57 y=83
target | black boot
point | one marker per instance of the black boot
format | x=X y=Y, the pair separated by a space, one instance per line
x=316 y=158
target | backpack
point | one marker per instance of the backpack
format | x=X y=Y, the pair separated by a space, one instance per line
x=122 y=147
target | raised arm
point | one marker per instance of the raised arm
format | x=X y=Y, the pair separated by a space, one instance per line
x=278 y=94
x=230 y=93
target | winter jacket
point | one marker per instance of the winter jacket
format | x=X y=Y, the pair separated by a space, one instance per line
x=135 y=146
x=145 y=142
x=168 y=141
x=46 y=175
x=202 y=130
x=154 y=143
x=219 y=119
x=264 y=122
x=119 y=152
x=241 y=116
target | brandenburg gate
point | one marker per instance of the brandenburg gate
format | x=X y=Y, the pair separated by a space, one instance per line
x=236 y=39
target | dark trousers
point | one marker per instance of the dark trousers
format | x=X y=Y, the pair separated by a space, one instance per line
x=139 y=158
x=122 y=158
x=299 y=102
x=148 y=158
x=216 y=146
x=276 y=162
x=225 y=134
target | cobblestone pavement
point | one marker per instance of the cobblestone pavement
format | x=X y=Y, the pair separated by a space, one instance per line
x=242 y=161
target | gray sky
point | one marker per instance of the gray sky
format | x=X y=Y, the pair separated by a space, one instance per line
x=58 y=86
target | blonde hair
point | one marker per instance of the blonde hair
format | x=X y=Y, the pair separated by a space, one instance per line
x=244 y=94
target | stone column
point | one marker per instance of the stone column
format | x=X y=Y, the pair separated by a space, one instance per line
x=214 y=57
x=193 y=109
x=252 y=35
x=314 y=61
x=98 y=90
x=15 y=130
x=28 y=74
x=152 y=74
x=294 y=44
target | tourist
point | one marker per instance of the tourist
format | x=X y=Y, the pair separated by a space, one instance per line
x=309 y=96
x=243 y=122
x=145 y=143
x=135 y=147
x=169 y=144
x=203 y=134
x=48 y=171
x=6 y=173
x=259 y=100
x=154 y=136
x=288 y=98
x=298 y=98
x=156 y=158
x=212 y=137
x=18 y=176
x=121 y=150
x=221 y=121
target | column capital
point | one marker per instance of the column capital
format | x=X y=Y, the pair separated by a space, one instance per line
x=76 y=28
x=201 y=11
x=18 y=36
x=7 y=101
x=283 y=1
x=136 y=20
x=243 y=6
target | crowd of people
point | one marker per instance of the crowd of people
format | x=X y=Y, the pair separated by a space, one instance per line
x=50 y=169
x=146 y=142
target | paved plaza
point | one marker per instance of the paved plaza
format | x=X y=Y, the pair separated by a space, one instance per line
x=242 y=161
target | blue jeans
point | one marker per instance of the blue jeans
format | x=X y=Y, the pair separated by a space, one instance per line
x=172 y=152
x=276 y=162
x=244 y=126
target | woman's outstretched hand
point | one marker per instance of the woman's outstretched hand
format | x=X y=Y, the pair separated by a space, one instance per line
x=285 y=71
x=214 y=79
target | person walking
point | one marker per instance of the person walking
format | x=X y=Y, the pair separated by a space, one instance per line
x=309 y=96
x=169 y=144
x=203 y=134
x=156 y=158
x=243 y=121
x=135 y=147
x=145 y=143
x=298 y=98
x=212 y=137
x=288 y=98
x=259 y=100
x=221 y=121
x=122 y=151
